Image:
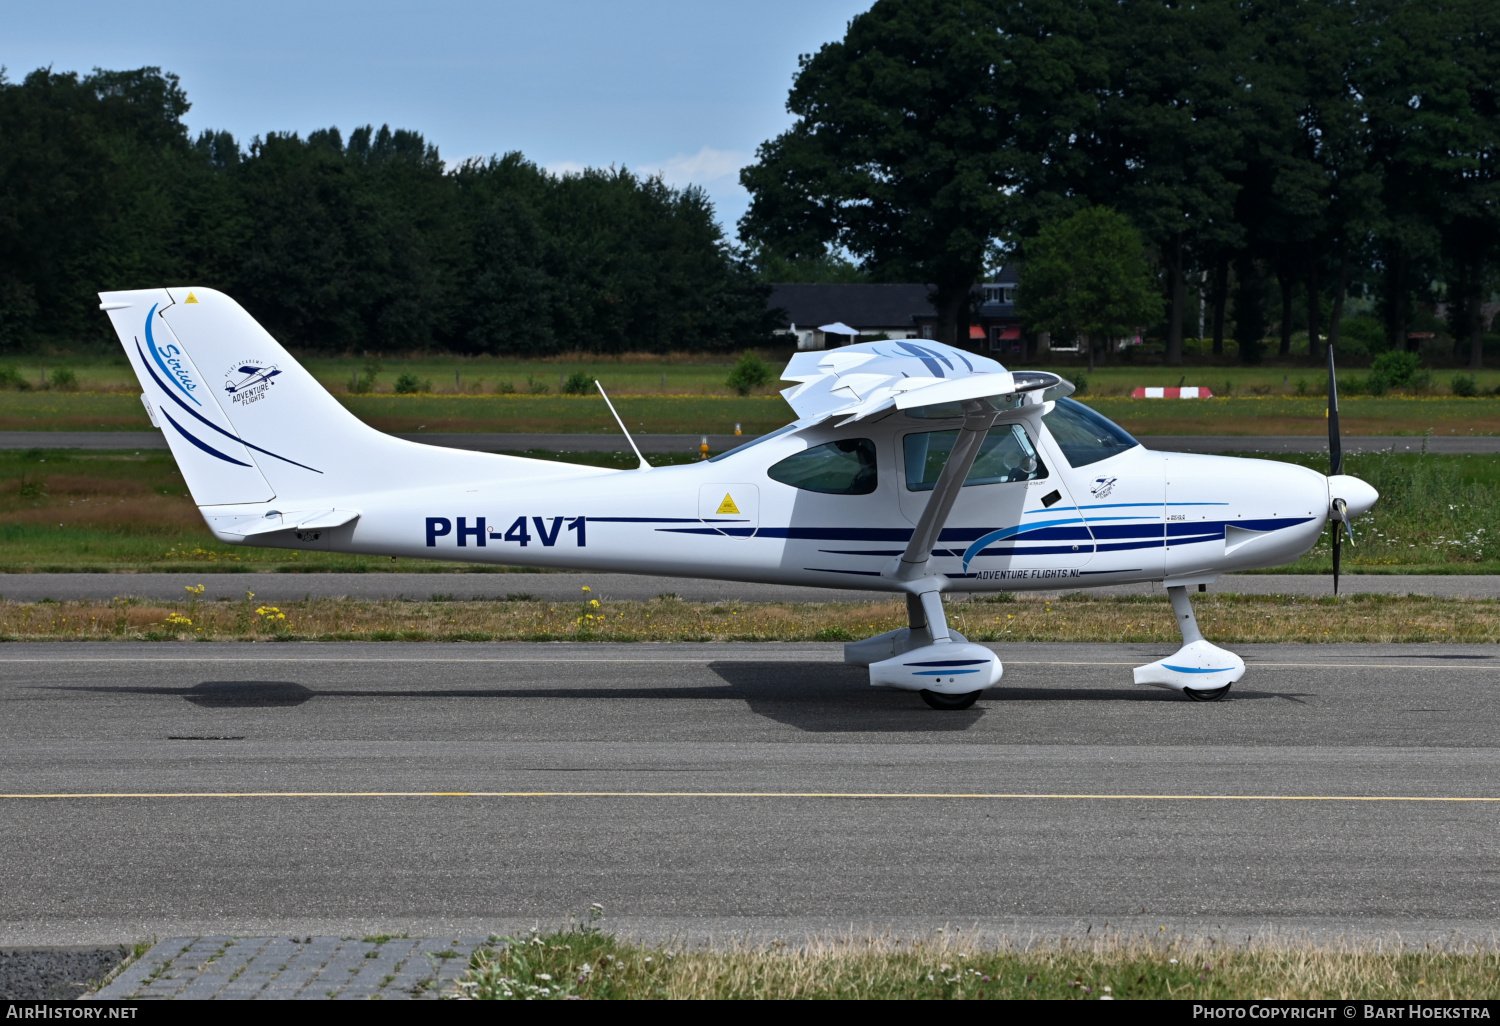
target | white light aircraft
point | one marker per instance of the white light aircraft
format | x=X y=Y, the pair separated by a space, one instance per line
x=912 y=467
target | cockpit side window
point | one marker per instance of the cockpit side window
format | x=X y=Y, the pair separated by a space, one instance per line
x=1005 y=455
x=1085 y=436
x=844 y=467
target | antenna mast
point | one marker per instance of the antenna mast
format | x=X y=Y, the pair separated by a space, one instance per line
x=644 y=465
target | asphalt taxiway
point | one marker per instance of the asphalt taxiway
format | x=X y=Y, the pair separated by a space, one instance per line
x=182 y=789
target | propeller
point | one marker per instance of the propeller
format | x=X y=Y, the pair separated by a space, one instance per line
x=1340 y=511
x=1335 y=446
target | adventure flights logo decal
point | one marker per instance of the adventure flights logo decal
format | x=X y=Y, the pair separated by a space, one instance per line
x=249 y=381
x=1102 y=486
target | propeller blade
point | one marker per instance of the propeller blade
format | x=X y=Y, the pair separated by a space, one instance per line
x=1335 y=444
x=1337 y=541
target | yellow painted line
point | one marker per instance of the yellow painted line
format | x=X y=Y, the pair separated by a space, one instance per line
x=758 y=794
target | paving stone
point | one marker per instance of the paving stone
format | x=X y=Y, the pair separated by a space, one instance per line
x=369 y=980
x=342 y=966
x=134 y=975
x=281 y=968
x=241 y=980
x=420 y=968
x=302 y=967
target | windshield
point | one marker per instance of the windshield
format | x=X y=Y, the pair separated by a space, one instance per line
x=754 y=441
x=1085 y=436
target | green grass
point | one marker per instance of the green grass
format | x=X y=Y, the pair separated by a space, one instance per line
x=582 y=963
x=635 y=372
x=691 y=414
x=1231 y=381
x=119 y=411
x=673 y=415
x=1436 y=514
x=1225 y=617
x=1272 y=415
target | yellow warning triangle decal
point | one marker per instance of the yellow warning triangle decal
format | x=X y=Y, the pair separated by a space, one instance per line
x=191 y=298
x=728 y=506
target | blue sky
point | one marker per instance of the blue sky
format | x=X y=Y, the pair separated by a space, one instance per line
x=685 y=88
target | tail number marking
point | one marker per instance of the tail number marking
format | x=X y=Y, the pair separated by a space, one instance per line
x=518 y=532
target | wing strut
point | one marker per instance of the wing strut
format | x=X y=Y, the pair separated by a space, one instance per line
x=979 y=417
x=644 y=465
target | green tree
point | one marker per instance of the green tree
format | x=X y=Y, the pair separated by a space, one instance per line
x=365 y=244
x=929 y=132
x=1164 y=143
x=90 y=169
x=750 y=373
x=1087 y=275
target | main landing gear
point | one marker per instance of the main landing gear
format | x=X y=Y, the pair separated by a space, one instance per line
x=928 y=658
x=1201 y=671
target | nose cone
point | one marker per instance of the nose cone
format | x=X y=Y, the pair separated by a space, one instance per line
x=1358 y=495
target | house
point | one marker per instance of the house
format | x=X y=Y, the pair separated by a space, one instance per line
x=905 y=311
x=995 y=325
x=888 y=310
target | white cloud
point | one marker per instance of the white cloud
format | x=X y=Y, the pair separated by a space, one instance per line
x=707 y=165
x=566 y=167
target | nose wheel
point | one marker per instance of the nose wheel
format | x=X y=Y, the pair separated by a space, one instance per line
x=1207 y=694
x=940 y=701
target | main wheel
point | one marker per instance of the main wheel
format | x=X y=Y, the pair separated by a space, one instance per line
x=1207 y=694
x=941 y=701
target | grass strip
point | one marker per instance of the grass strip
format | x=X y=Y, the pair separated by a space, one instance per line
x=1224 y=618
x=587 y=963
x=677 y=413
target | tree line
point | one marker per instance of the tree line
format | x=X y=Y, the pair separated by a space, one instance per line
x=1267 y=151
x=364 y=243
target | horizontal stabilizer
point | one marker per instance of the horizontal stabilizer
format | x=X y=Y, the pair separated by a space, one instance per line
x=306 y=520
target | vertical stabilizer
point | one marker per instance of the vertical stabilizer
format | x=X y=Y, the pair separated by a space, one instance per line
x=247 y=422
x=218 y=467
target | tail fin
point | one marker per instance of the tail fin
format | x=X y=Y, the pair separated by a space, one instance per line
x=247 y=423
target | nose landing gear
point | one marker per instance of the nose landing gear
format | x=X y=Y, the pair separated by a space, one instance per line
x=1200 y=670
x=938 y=700
x=1207 y=694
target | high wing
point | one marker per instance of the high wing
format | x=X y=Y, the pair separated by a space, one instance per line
x=856 y=381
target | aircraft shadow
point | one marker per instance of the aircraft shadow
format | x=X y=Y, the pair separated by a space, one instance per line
x=818 y=698
x=834 y=698
x=222 y=694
